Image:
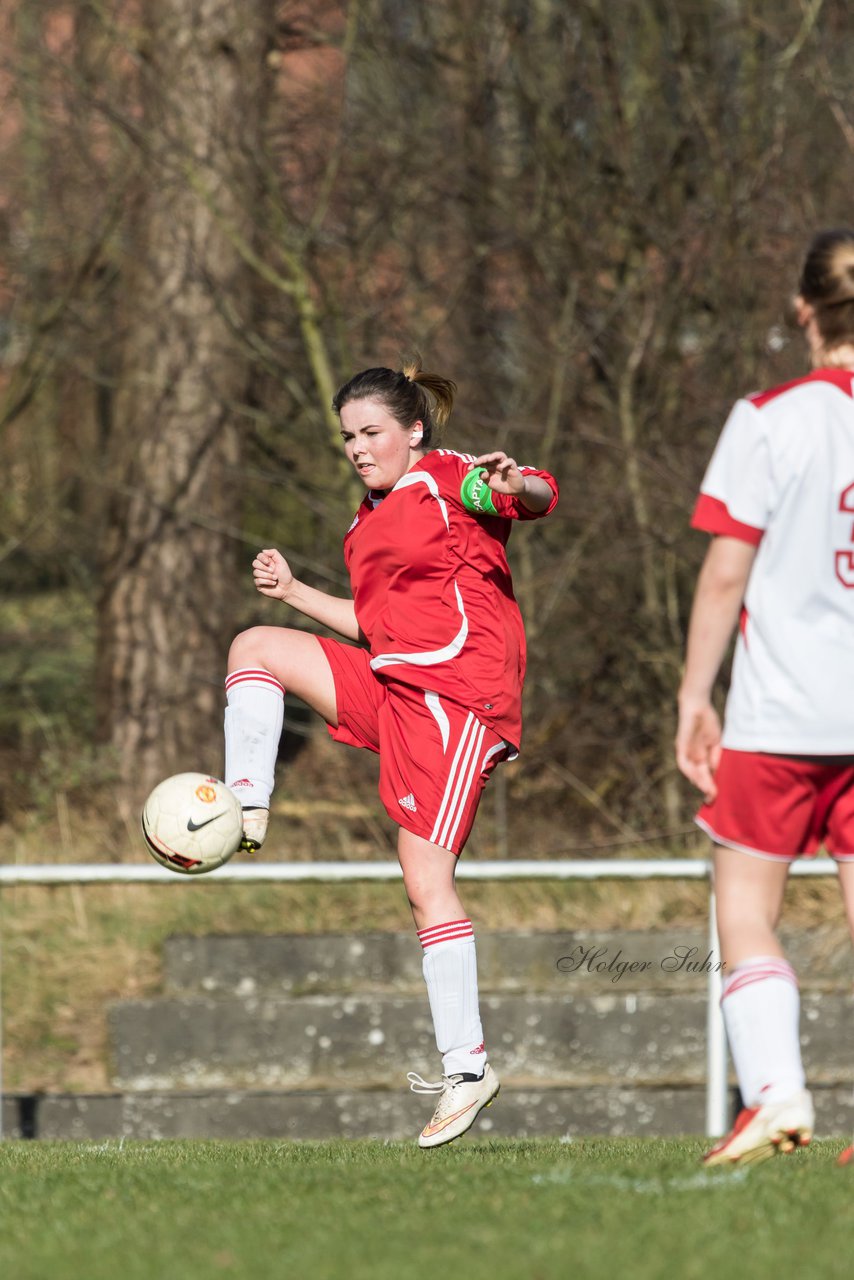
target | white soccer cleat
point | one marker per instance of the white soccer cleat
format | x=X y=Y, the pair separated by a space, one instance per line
x=458 y=1106
x=254 y=829
x=761 y=1132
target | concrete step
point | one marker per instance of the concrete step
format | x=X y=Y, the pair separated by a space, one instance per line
x=567 y=1113
x=576 y=963
x=371 y=1040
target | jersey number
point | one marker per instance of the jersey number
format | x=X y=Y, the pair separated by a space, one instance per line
x=845 y=559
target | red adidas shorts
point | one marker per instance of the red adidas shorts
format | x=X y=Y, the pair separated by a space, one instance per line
x=435 y=756
x=781 y=806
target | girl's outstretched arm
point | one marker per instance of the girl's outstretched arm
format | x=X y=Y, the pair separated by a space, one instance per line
x=503 y=476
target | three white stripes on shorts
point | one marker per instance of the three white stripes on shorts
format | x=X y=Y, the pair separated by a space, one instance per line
x=465 y=767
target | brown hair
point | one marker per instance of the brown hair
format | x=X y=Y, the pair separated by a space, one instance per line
x=827 y=284
x=409 y=395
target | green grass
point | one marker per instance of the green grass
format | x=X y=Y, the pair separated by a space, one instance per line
x=478 y=1209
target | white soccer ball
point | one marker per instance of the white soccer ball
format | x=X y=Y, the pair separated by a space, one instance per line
x=192 y=823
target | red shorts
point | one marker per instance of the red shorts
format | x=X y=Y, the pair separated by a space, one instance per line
x=782 y=806
x=435 y=756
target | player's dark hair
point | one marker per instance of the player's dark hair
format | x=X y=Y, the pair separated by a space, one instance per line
x=408 y=394
x=827 y=284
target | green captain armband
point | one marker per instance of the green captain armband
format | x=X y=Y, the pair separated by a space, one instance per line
x=476 y=494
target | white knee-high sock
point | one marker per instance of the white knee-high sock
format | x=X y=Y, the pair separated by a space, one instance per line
x=450 y=971
x=253 y=725
x=761 y=1009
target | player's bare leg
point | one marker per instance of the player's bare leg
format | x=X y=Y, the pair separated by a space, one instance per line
x=450 y=970
x=262 y=663
x=846 y=883
x=749 y=894
x=761 y=1011
x=428 y=877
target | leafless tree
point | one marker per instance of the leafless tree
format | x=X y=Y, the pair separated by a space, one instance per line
x=168 y=579
x=588 y=215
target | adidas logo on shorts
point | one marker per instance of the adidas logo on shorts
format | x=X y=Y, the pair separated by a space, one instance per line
x=408 y=802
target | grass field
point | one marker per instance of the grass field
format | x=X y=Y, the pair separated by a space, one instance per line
x=478 y=1209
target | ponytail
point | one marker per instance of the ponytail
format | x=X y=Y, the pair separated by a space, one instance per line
x=827 y=284
x=410 y=395
x=443 y=390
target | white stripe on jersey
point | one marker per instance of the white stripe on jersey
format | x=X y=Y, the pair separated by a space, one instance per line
x=430 y=657
x=470 y=457
x=424 y=477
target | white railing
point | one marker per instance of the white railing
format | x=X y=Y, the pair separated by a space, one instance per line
x=302 y=872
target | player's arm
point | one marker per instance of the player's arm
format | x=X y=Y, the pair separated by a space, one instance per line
x=714 y=616
x=273 y=578
x=504 y=476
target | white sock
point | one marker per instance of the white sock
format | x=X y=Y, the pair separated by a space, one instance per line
x=253 y=725
x=450 y=971
x=761 y=1009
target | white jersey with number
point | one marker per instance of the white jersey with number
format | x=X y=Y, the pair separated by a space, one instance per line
x=782 y=479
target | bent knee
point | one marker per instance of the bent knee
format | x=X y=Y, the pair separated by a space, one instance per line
x=265 y=647
x=247 y=649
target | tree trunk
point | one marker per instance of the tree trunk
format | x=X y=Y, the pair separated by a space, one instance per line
x=170 y=571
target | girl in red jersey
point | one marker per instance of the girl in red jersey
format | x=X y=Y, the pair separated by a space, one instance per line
x=431 y=681
x=778 y=498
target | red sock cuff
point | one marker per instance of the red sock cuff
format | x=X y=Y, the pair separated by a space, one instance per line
x=452 y=931
x=759 y=970
x=252 y=676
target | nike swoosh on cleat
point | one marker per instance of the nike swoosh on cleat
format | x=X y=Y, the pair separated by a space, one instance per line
x=430 y=1129
x=197 y=826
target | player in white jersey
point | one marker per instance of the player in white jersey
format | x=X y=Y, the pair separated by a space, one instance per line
x=778 y=782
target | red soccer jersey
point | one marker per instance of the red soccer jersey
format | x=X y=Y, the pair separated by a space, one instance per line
x=433 y=593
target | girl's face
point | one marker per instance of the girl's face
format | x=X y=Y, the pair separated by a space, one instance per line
x=380 y=449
